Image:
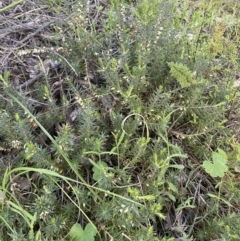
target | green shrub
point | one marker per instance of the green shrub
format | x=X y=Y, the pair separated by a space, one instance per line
x=118 y=153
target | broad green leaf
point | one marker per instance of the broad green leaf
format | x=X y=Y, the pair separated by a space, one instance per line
x=31 y=235
x=172 y=187
x=180 y=167
x=218 y=166
x=98 y=170
x=78 y=234
x=171 y=196
x=89 y=233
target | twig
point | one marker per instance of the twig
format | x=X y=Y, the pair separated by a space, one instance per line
x=30 y=81
x=34 y=33
x=20 y=27
x=33 y=80
x=24 y=27
x=11 y=5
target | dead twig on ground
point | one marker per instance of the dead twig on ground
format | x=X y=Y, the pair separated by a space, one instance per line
x=24 y=27
x=37 y=77
x=30 y=81
x=34 y=33
x=11 y=5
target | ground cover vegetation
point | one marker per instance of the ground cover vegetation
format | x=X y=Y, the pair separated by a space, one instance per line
x=119 y=120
